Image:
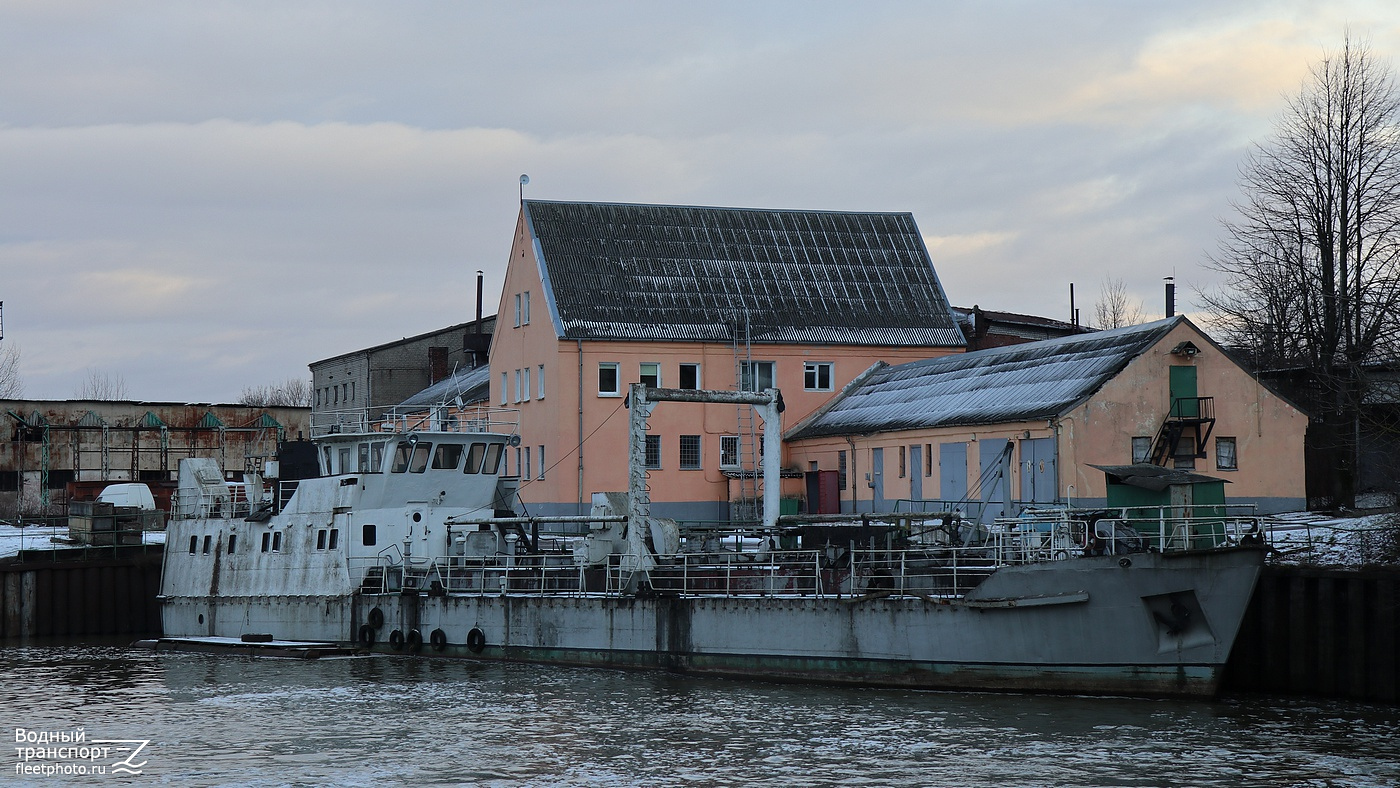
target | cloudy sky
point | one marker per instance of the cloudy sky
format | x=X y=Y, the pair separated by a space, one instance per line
x=199 y=197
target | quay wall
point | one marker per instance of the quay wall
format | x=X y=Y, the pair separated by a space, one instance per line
x=1320 y=632
x=113 y=594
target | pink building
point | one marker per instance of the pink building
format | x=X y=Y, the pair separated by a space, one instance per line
x=598 y=296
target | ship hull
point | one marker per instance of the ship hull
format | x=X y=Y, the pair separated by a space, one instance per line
x=1148 y=624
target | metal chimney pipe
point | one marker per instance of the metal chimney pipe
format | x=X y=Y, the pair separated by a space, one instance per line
x=480 y=288
x=1171 y=296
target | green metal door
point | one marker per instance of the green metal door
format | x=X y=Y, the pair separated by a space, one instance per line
x=1182 y=383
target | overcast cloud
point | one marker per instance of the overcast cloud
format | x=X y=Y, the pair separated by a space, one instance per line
x=200 y=197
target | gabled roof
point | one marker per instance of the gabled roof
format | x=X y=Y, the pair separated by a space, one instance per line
x=471 y=385
x=1036 y=380
x=665 y=272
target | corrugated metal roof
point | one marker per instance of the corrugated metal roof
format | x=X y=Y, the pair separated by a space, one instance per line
x=1017 y=383
x=662 y=272
x=472 y=385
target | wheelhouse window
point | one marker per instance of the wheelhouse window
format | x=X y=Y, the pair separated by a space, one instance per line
x=474 y=457
x=755 y=375
x=376 y=457
x=816 y=376
x=492 y=463
x=447 y=457
x=650 y=374
x=607 y=379
x=689 y=377
x=364 y=459
x=419 y=463
x=402 y=453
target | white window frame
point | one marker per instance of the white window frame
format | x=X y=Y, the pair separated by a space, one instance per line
x=729 y=441
x=526 y=388
x=540 y=394
x=505 y=388
x=517 y=387
x=812 y=375
x=540 y=475
x=750 y=377
x=642 y=372
x=617 y=379
x=699 y=382
x=517 y=310
x=525 y=315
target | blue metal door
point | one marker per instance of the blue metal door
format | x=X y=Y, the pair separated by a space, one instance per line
x=1038 y=477
x=952 y=471
x=877 y=480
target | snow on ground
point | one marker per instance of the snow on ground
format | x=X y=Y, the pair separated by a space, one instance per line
x=14 y=538
x=1318 y=539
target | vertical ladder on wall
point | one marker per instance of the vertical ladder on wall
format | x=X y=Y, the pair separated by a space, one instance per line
x=750 y=480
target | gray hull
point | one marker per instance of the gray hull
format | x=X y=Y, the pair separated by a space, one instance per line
x=1147 y=624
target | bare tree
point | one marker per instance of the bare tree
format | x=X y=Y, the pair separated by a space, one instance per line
x=1114 y=309
x=11 y=384
x=293 y=392
x=1312 y=257
x=101 y=386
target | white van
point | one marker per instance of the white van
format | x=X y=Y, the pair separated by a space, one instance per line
x=128 y=494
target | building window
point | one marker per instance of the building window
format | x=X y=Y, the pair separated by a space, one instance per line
x=1225 y=457
x=816 y=376
x=729 y=451
x=367 y=535
x=653 y=451
x=540 y=394
x=517 y=386
x=841 y=469
x=755 y=375
x=352 y=391
x=504 y=388
x=540 y=451
x=1142 y=449
x=318 y=398
x=689 y=377
x=690 y=452
x=607 y=379
x=928 y=460
x=1185 y=456
x=903 y=469
x=517 y=463
x=525 y=465
x=517 y=310
x=525 y=389
x=650 y=374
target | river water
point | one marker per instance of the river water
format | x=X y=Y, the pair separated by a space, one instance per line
x=370 y=721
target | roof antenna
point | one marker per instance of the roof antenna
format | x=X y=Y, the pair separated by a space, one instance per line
x=524 y=179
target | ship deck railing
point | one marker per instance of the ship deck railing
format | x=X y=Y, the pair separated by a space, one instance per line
x=469 y=419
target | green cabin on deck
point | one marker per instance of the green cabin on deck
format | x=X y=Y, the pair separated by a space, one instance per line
x=1190 y=496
